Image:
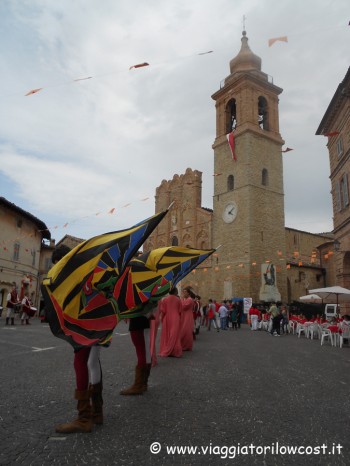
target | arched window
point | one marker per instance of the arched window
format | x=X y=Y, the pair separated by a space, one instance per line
x=231 y=116
x=264 y=177
x=230 y=183
x=174 y=241
x=263 y=113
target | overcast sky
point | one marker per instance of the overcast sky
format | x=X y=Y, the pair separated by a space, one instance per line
x=80 y=148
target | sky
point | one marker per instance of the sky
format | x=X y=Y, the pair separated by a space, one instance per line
x=79 y=148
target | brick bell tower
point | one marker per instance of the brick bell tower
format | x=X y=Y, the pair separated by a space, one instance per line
x=248 y=204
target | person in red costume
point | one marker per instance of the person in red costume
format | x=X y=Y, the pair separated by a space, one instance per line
x=170 y=312
x=12 y=302
x=186 y=333
x=88 y=375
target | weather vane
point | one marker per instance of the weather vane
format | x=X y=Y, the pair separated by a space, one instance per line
x=243 y=21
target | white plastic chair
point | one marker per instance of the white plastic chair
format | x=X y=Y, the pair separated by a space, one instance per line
x=326 y=335
x=301 y=329
x=313 y=331
x=292 y=326
x=344 y=334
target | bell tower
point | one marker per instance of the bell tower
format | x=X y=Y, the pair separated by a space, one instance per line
x=248 y=204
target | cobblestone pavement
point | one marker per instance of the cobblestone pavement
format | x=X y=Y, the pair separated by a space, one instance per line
x=235 y=389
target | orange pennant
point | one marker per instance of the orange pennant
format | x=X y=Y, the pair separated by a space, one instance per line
x=33 y=91
x=275 y=39
x=139 y=65
x=333 y=133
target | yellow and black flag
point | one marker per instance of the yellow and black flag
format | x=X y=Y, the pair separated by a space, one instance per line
x=151 y=276
x=78 y=288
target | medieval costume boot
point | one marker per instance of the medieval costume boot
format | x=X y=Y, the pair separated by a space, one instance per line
x=137 y=388
x=97 y=403
x=12 y=321
x=83 y=423
x=7 y=320
x=27 y=322
x=146 y=376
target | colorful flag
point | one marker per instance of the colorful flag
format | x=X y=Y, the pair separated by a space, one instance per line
x=231 y=142
x=77 y=301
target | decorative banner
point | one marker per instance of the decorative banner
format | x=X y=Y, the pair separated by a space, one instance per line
x=287 y=149
x=247 y=304
x=231 y=142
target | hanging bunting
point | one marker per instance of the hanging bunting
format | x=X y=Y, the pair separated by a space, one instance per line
x=33 y=91
x=139 y=65
x=275 y=39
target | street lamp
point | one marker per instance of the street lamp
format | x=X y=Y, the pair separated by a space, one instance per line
x=336 y=245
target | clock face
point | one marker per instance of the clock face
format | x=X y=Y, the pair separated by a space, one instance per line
x=230 y=212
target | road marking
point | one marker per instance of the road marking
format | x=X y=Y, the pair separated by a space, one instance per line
x=57 y=438
x=41 y=349
x=121 y=334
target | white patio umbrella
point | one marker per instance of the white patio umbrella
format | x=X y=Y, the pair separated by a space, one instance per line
x=333 y=294
x=311 y=298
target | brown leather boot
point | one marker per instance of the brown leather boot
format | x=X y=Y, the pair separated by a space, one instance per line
x=83 y=423
x=97 y=403
x=145 y=378
x=138 y=386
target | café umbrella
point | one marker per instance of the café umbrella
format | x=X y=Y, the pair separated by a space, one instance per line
x=333 y=294
x=311 y=298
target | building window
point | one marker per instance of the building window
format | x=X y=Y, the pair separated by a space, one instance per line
x=16 y=252
x=231 y=116
x=174 y=241
x=264 y=177
x=340 y=149
x=48 y=264
x=230 y=183
x=342 y=193
x=263 y=114
x=19 y=223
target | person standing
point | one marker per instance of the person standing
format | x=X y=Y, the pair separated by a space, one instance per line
x=186 y=332
x=12 y=303
x=140 y=333
x=223 y=315
x=26 y=310
x=88 y=376
x=285 y=319
x=211 y=315
x=170 y=314
x=276 y=320
x=254 y=315
x=234 y=316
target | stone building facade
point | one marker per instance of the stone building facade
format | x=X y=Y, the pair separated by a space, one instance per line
x=258 y=257
x=22 y=238
x=335 y=125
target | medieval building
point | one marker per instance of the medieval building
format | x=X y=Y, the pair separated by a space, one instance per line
x=258 y=256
